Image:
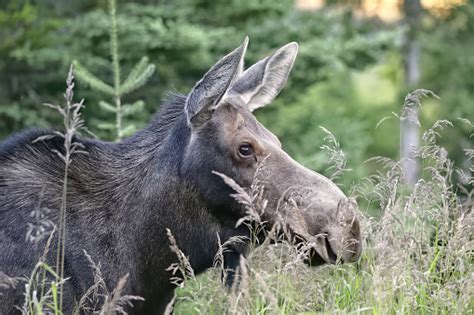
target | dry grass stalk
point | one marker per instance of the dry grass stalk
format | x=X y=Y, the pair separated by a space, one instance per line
x=183 y=266
x=99 y=300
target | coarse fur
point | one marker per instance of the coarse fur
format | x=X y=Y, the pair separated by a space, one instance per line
x=121 y=197
x=118 y=194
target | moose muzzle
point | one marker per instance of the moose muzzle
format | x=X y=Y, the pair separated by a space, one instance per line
x=316 y=213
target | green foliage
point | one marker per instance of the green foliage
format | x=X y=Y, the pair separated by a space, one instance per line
x=45 y=280
x=347 y=77
x=137 y=77
x=90 y=79
x=24 y=79
x=334 y=105
x=183 y=38
x=448 y=65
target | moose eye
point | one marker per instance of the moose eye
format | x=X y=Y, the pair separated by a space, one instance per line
x=245 y=150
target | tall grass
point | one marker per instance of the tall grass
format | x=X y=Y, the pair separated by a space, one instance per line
x=44 y=287
x=418 y=255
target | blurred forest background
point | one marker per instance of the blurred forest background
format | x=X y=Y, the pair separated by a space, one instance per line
x=352 y=70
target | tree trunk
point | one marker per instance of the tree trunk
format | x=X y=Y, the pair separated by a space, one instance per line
x=409 y=128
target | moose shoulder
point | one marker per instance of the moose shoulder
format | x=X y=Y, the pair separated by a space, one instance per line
x=123 y=196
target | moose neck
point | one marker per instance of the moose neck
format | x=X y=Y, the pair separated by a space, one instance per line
x=137 y=167
x=141 y=171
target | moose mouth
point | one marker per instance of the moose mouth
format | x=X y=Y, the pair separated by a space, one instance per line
x=320 y=240
x=321 y=252
x=329 y=253
x=318 y=250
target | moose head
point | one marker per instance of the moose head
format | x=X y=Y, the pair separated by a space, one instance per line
x=227 y=138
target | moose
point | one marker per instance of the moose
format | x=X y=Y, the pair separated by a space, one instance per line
x=122 y=197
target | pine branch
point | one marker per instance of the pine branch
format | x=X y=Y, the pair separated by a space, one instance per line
x=114 y=47
x=133 y=108
x=107 y=107
x=139 y=75
x=137 y=69
x=94 y=82
x=139 y=81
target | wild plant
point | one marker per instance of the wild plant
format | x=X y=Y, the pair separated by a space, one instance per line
x=44 y=288
x=98 y=299
x=182 y=269
x=336 y=157
x=137 y=77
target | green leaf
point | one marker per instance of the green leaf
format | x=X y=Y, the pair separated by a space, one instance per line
x=54 y=290
x=106 y=126
x=107 y=107
x=94 y=82
x=129 y=130
x=136 y=107
x=138 y=82
x=137 y=69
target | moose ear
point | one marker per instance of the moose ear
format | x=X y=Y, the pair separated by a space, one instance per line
x=208 y=92
x=262 y=82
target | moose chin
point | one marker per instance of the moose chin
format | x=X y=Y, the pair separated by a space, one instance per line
x=122 y=197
